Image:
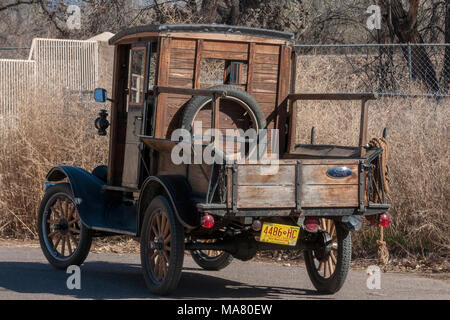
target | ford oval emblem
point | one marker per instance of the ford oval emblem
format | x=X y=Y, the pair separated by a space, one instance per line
x=341 y=172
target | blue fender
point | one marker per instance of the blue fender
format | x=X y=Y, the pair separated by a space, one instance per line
x=178 y=191
x=98 y=209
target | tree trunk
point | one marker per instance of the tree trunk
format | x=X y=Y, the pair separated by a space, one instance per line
x=404 y=26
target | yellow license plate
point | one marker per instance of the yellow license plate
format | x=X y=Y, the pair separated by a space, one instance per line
x=279 y=234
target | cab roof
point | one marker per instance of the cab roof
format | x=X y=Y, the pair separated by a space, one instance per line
x=203 y=28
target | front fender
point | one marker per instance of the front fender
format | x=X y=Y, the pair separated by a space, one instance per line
x=97 y=208
x=87 y=191
x=178 y=191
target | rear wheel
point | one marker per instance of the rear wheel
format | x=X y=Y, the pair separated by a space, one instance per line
x=328 y=268
x=212 y=259
x=64 y=239
x=162 y=247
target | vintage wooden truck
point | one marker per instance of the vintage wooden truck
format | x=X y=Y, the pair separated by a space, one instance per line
x=169 y=77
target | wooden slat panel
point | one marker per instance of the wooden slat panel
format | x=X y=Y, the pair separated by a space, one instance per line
x=266 y=197
x=329 y=195
x=317 y=174
x=163 y=79
x=266 y=174
x=265 y=77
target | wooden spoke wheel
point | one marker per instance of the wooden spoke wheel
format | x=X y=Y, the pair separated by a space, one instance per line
x=64 y=239
x=162 y=247
x=328 y=267
x=211 y=259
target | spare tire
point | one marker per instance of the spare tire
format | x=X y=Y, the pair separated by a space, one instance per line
x=245 y=100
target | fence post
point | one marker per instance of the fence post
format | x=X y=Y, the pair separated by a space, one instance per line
x=410 y=63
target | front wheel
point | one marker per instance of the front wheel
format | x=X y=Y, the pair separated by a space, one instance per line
x=328 y=268
x=162 y=247
x=64 y=239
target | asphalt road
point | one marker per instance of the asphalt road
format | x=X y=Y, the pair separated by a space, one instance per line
x=25 y=274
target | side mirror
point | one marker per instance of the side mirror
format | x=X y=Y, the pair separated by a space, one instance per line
x=100 y=95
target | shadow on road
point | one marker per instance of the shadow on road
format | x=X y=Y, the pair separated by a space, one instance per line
x=103 y=280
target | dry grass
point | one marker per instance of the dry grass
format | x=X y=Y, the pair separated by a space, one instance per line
x=51 y=130
x=57 y=130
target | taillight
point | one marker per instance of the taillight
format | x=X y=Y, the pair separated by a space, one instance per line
x=207 y=221
x=311 y=224
x=385 y=220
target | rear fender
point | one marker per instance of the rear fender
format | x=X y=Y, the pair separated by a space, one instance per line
x=177 y=190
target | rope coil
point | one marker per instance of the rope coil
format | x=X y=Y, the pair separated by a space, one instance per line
x=383 y=172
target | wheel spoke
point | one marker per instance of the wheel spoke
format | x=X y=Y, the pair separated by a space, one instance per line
x=158 y=223
x=333 y=230
x=75 y=242
x=63 y=245
x=330 y=263
x=333 y=257
x=325 y=275
x=68 y=245
x=58 y=239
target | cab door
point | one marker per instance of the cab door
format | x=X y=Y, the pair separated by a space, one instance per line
x=142 y=67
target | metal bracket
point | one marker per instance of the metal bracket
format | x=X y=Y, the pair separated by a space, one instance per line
x=298 y=187
x=234 y=188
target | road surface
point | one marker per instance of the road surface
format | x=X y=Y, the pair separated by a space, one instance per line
x=25 y=274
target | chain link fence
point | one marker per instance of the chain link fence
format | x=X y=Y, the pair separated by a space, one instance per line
x=408 y=70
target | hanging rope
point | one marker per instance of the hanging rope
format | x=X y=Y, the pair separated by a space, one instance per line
x=381 y=180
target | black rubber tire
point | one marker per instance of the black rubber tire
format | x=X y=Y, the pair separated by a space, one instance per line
x=84 y=245
x=211 y=263
x=334 y=283
x=171 y=280
x=194 y=105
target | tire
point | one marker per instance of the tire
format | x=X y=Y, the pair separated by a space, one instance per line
x=59 y=223
x=334 y=282
x=209 y=262
x=161 y=259
x=198 y=102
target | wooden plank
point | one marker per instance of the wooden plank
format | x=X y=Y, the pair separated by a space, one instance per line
x=363 y=128
x=225 y=46
x=266 y=77
x=267 y=59
x=315 y=196
x=181 y=73
x=163 y=80
x=266 y=174
x=265 y=197
x=225 y=55
x=283 y=91
x=250 y=67
x=264 y=87
x=198 y=63
x=181 y=82
x=317 y=174
x=183 y=44
x=261 y=68
x=187 y=54
x=267 y=49
x=177 y=63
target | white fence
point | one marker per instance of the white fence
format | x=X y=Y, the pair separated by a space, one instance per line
x=53 y=64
